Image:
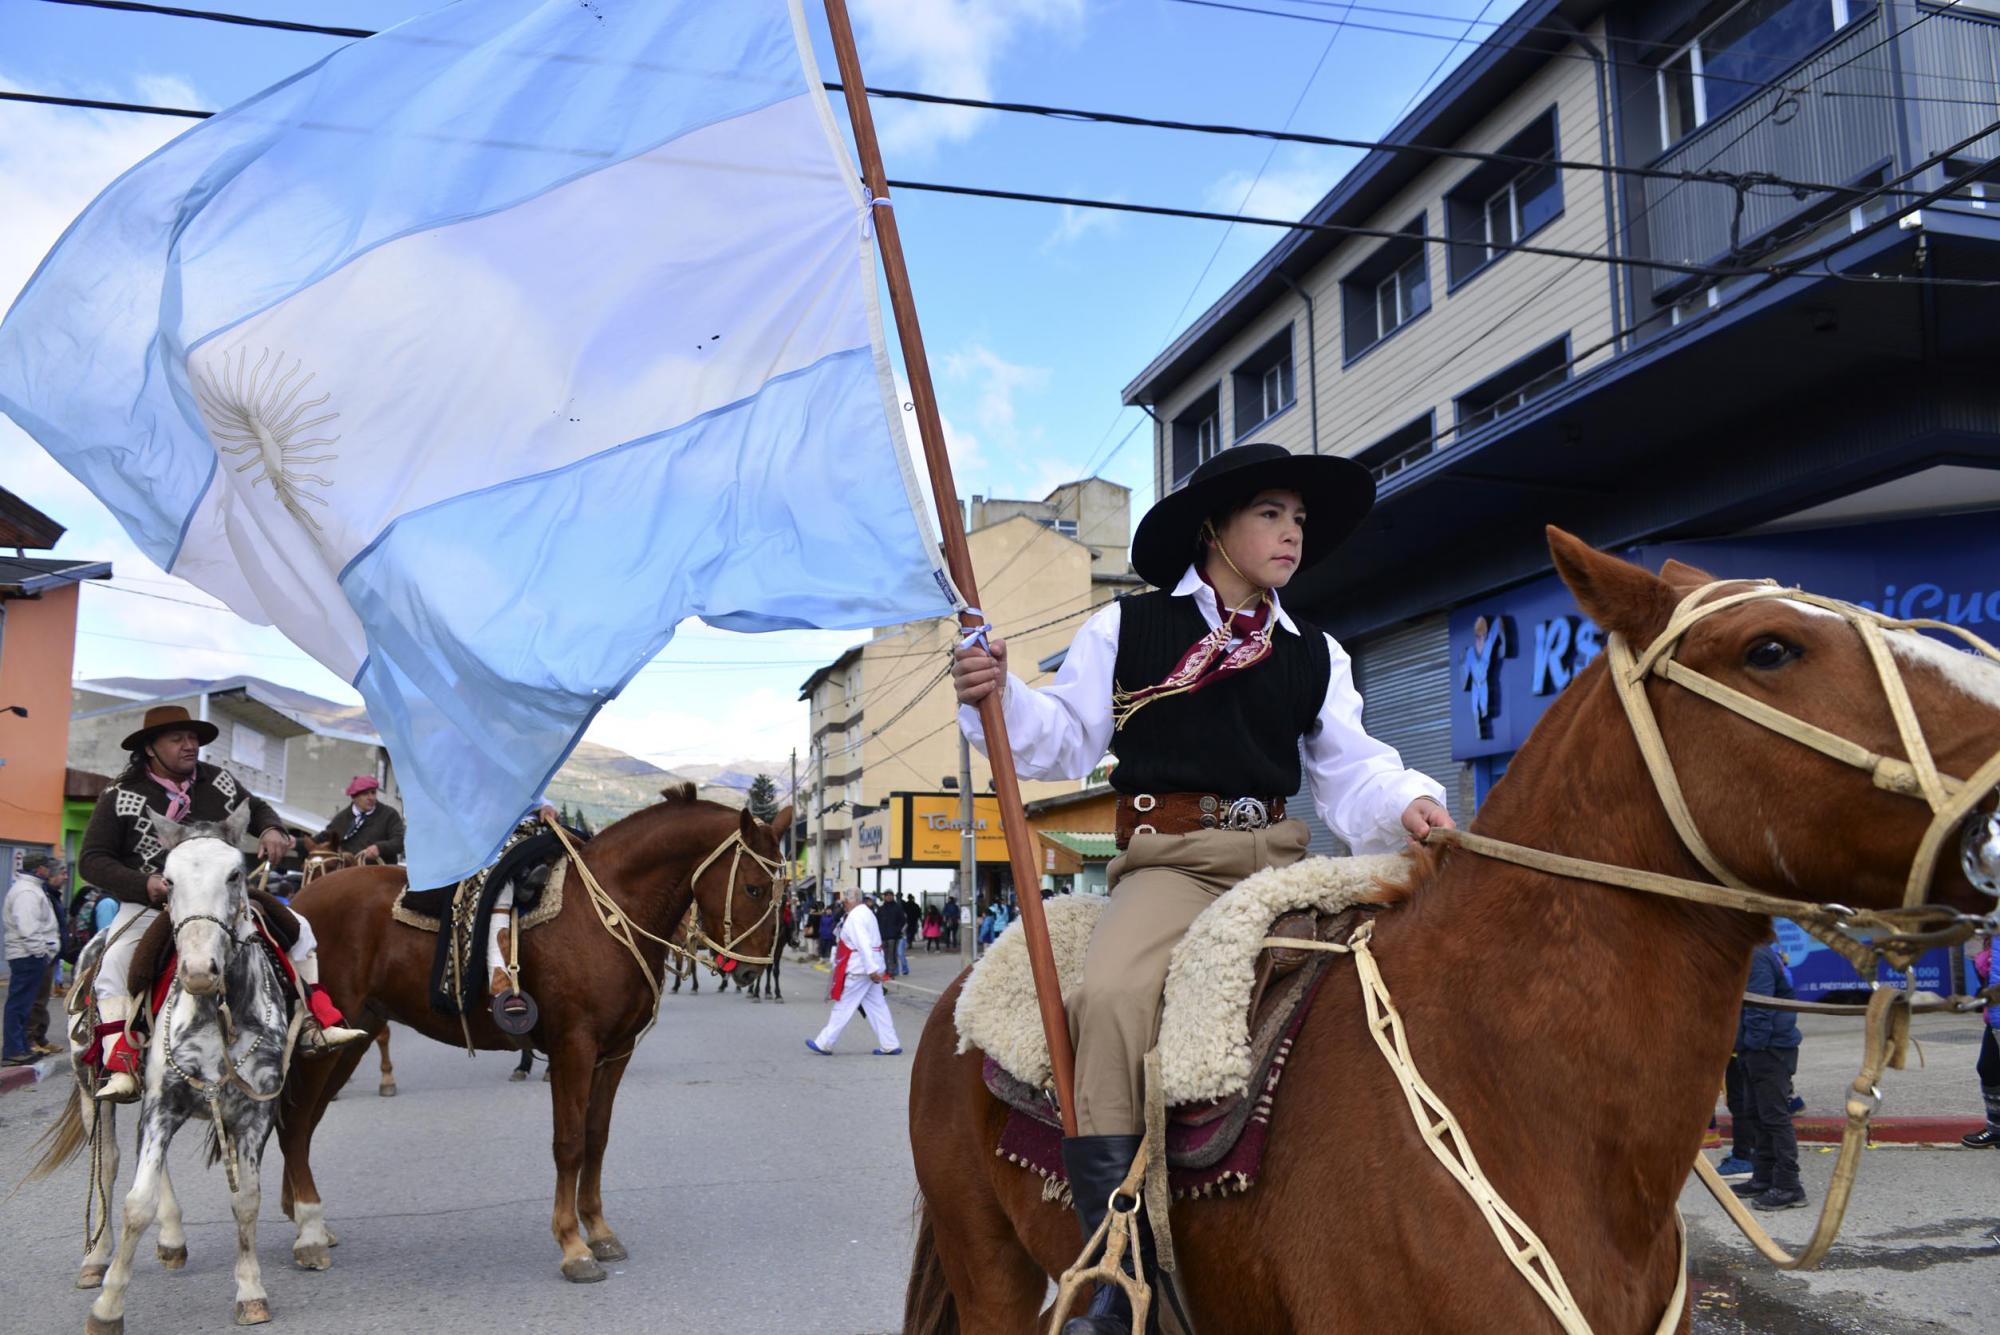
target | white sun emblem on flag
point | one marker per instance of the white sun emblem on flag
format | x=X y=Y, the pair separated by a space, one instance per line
x=261 y=413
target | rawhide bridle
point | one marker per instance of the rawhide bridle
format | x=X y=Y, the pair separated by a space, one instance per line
x=738 y=848
x=1899 y=935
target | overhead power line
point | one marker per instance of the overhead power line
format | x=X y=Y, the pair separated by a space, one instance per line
x=1639 y=66
x=216 y=16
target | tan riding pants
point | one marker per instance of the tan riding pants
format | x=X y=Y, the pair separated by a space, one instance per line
x=1159 y=886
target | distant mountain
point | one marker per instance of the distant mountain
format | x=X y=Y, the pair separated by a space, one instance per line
x=605 y=784
x=740 y=774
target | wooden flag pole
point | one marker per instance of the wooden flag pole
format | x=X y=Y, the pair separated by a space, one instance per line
x=958 y=559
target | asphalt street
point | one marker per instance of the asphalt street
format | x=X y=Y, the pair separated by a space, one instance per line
x=760 y=1188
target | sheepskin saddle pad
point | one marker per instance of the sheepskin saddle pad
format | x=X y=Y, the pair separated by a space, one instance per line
x=1232 y=1009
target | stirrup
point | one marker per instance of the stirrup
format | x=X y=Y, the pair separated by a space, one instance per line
x=119 y=1087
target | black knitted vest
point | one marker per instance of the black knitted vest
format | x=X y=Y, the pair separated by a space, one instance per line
x=1239 y=736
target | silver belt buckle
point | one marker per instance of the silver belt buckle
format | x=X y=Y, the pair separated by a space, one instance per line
x=1246 y=813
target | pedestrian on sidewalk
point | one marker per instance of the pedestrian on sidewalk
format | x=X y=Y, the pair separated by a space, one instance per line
x=829 y=923
x=889 y=920
x=933 y=930
x=1743 y=1147
x=911 y=923
x=859 y=970
x=1767 y=1044
x=1986 y=1137
x=55 y=879
x=33 y=939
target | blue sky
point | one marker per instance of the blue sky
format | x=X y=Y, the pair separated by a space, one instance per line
x=1034 y=316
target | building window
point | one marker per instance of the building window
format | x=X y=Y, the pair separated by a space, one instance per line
x=1514 y=388
x=1739 y=53
x=1066 y=527
x=1263 y=384
x=1197 y=434
x=1386 y=291
x=1502 y=204
x=1982 y=181
x=1400 y=448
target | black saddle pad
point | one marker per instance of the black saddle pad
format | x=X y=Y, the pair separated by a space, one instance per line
x=459 y=969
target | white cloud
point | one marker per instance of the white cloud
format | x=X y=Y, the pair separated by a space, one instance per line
x=1288 y=189
x=996 y=382
x=952 y=47
x=1074 y=224
x=701 y=725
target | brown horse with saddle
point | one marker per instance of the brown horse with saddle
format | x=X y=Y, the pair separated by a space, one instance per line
x=594 y=965
x=1490 y=1102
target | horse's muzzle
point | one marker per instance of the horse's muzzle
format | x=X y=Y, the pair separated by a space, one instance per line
x=198 y=982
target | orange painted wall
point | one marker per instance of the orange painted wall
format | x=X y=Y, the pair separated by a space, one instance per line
x=37 y=649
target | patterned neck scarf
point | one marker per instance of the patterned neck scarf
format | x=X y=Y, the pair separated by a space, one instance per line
x=178 y=800
x=1209 y=660
x=360 y=819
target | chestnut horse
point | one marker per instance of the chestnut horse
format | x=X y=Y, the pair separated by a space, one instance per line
x=593 y=1002
x=1578 y=1032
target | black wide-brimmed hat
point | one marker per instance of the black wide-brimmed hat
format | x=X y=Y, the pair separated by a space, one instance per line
x=1337 y=493
x=166 y=718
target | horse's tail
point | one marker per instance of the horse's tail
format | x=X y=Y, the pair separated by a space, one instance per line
x=64 y=1139
x=928 y=1307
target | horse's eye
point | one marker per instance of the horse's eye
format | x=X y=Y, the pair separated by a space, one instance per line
x=1770 y=653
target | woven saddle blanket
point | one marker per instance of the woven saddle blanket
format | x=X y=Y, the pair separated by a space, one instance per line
x=460 y=914
x=1228 y=1020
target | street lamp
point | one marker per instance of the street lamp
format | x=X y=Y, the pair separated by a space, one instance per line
x=20 y=711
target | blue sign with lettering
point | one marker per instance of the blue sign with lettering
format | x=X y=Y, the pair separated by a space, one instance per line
x=1515 y=651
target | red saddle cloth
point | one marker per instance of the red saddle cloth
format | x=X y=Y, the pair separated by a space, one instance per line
x=171 y=963
x=1213 y=1148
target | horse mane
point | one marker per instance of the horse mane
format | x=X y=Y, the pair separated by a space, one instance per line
x=678 y=792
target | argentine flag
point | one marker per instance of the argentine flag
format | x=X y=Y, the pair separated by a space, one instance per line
x=479 y=354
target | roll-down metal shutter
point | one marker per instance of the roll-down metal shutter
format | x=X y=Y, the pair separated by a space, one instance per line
x=1404 y=676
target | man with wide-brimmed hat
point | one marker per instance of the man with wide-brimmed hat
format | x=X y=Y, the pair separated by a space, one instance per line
x=1214 y=699
x=367 y=826
x=165 y=781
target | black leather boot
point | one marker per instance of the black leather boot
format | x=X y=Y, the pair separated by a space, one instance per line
x=1096 y=1165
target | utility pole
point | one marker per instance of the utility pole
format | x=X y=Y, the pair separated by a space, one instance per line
x=968 y=843
x=792 y=830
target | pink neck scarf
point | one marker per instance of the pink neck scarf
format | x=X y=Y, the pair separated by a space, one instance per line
x=178 y=801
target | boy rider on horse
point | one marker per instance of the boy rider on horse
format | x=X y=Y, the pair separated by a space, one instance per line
x=1209 y=692
x=122 y=855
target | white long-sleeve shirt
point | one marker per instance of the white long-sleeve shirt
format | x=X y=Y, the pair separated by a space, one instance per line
x=860 y=934
x=1063 y=730
x=32 y=925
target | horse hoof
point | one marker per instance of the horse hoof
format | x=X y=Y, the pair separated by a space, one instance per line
x=173 y=1258
x=93 y=1324
x=332 y=1238
x=312 y=1258
x=582 y=1270
x=253 y=1312
x=518 y=1075
x=609 y=1249
x=388 y=1090
x=90 y=1277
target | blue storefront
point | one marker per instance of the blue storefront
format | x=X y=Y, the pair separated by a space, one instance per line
x=1514 y=650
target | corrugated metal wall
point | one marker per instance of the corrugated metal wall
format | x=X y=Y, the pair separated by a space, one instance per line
x=1404 y=676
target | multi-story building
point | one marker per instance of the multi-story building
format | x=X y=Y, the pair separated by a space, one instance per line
x=1754 y=329
x=38 y=607
x=883 y=714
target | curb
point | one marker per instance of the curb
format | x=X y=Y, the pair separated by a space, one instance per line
x=1883 y=1130
x=22 y=1077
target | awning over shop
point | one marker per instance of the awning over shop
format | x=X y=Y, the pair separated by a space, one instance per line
x=1064 y=852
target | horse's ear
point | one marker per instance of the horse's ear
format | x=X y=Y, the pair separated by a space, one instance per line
x=1616 y=594
x=746 y=822
x=237 y=824
x=1685 y=577
x=782 y=822
x=169 y=832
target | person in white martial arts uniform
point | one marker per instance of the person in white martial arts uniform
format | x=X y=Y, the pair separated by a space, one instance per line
x=859 y=970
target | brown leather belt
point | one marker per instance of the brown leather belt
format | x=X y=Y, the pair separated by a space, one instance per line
x=1185 y=813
